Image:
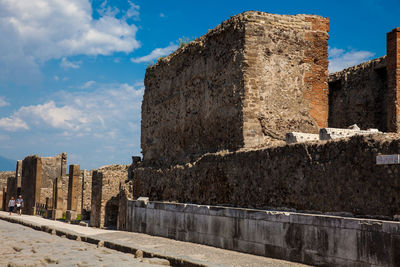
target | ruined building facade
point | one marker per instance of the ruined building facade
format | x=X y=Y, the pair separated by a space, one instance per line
x=242 y=85
x=215 y=114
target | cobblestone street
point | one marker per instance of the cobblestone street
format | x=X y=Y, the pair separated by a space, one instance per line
x=23 y=246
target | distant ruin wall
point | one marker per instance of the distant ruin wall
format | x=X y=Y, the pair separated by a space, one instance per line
x=86 y=195
x=312 y=239
x=243 y=84
x=105 y=194
x=358 y=95
x=333 y=176
x=4 y=175
x=52 y=168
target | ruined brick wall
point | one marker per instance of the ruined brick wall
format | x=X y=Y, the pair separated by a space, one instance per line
x=333 y=176
x=393 y=72
x=4 y=175
x=243 y=84
x=357 y=95
x=52 y=167
x=86 y=194
x=105 y=194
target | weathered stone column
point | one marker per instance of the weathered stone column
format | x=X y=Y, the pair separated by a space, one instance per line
x=30 y=183
x=18 y=174
x=57 y=199
x=393 y=80
x=73 y=187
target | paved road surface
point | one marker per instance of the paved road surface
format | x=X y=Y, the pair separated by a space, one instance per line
x=152 y=245
x=23 y=246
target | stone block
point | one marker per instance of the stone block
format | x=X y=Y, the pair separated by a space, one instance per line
x=143 y=199
x=296 y=137
x=56 y=214
x=335 y=133
x=70 y=215
x=74 y=187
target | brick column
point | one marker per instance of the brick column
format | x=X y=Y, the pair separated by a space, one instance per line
x=317 y=78
x=73 y=187
x=393 y=80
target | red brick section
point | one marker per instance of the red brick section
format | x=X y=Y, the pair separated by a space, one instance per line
x=393 y=79
x=317 y=80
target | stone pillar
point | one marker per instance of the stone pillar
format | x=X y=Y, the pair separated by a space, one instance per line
x=63 y=163
x=3 y=205
x=73 y=187
x=30 y=183
x=393 y=80
x=58 y=198
x=18 y=173
x=316 y=79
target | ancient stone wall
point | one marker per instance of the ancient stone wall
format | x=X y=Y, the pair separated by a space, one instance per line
x=106 y=182
x=243 y=84
x=318 y=240
x=330 y=176
x=86 y=195
x=6 y=188
x=53 y=167
x=357 y=95
x=285 y=76
x=4 y=175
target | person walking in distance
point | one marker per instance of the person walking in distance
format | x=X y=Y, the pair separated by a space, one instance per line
x=11 y=205
x=20 y=204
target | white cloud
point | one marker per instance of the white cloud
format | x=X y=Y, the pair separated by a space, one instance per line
x=340 y=59
x=156 y=53
x=13 y=124
x=104 y=111
x=133 y=11
x=41 y=30
x=88 y=84
x=3 y=102
x=70 y=64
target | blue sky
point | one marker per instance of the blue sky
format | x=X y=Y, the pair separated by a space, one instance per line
x=71 y=71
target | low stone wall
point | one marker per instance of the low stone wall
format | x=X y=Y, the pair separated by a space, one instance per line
x=328 y=176
x=306 y=238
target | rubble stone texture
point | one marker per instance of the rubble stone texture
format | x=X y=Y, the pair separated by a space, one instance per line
x=242 y=85
x=333 y=176
x=357 y=95
x=86 y=195
x=74 y=186
x=106 y=184
x=53 y=167
x=5 y=177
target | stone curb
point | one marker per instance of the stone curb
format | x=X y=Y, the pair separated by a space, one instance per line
x=174 y=261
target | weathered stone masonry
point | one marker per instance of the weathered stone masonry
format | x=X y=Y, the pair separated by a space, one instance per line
x=106 y=184
x=244 y=84
x=368 y=94
x=324 y=176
